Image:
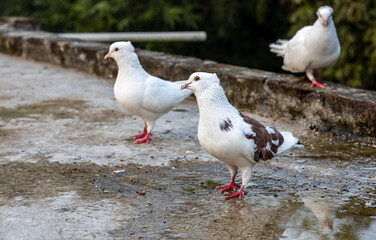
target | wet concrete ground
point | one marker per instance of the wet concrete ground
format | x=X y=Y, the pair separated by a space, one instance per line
x=69 y=170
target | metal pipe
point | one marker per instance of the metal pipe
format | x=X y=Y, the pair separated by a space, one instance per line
x=186 y=36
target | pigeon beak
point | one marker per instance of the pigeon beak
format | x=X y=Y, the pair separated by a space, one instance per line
x=325 y=22
x=184 y=86
x=107 y=55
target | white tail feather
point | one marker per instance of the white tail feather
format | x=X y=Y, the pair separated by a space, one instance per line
x=279 y=47
x=289 y=142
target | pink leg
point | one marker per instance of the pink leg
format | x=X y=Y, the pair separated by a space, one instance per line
x=229 y=187
x=145 y=139
x=316 y=84
x=238 y=194
x=143 y=134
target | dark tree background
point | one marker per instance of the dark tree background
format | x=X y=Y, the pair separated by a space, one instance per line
x=239 y=32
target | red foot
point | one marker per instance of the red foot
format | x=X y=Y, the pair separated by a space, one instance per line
x=231 y=186
x=143 y=134
x=238 y=194
x=316 y=84
x=145 y=139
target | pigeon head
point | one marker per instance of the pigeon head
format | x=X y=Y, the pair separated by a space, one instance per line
x=324 y=14
x=199 y=81
x=119 y=50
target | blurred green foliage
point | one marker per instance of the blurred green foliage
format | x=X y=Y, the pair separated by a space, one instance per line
x=239 y=32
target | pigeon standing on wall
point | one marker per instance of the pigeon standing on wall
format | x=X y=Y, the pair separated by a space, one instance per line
x=312 y=47
x=230 y=136
x=140 y=93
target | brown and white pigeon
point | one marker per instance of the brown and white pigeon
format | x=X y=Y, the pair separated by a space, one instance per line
x=235 y=139
x=139 y=92
x=312 y=47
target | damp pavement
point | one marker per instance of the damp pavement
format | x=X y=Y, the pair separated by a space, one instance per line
x=69 y=170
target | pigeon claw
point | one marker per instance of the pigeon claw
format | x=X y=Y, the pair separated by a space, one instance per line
x=139 y=136
x=231 y=186
x=146 y=139
x=238 y=194
x=317 y=84
x=143 y=134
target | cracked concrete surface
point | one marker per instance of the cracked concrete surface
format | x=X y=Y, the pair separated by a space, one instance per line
x=69 y=170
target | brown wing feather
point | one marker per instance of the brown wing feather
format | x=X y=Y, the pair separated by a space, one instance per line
x=262 y=138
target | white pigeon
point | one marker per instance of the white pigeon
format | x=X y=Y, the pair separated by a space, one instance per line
x=312 y=47
x=230 y=136
x=139 y=92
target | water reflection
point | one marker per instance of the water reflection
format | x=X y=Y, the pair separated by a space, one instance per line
x=323 y=211
x=320 y=218
x=255 y=218
x=314 y=217
x=314 y=220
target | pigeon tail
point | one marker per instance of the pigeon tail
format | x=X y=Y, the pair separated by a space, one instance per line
x=289 y=142
x=279 y=47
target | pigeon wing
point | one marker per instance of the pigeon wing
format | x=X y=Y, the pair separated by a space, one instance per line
x=296 y=57
x=266 y=140
x=161 y=96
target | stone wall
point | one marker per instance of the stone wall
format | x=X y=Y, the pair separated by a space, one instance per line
x=334 y=107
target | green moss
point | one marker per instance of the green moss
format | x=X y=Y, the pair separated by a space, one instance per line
x=59 y=109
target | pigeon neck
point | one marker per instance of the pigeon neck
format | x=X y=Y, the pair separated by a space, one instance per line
x=213 y=100
x=330 y=25
x=324 y=33
x=130 y=64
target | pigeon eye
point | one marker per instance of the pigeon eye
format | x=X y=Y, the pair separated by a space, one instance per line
x=116 y=49
x=197 y=78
